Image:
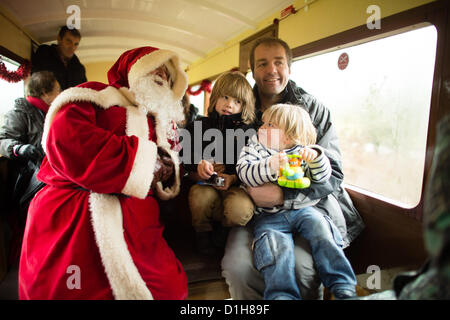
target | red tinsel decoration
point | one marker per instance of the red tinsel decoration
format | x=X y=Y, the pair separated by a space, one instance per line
x=15 y=76
x=204 y=86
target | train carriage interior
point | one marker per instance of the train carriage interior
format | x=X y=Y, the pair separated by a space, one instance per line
x=361 y=58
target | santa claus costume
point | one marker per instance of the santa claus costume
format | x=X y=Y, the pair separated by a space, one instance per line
x=94 y=232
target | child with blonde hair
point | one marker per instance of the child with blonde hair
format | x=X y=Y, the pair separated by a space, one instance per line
x=214 y=153
x=287 y=130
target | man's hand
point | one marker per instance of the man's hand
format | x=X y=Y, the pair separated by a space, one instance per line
x=267 y=195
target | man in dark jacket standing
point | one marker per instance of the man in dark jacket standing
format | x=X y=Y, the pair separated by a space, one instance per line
x=61 y=59
x=270 y=60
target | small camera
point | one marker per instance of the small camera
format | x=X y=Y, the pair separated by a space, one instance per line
x=215 y=180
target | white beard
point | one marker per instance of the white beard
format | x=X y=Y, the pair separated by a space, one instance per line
x=159 y=101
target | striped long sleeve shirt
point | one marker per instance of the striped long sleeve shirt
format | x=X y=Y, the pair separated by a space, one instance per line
x=254 y=170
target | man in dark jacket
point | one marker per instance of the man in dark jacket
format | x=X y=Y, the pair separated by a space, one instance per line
x=270 y=60
x=61 y=59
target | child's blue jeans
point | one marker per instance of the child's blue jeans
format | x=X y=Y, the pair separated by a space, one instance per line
x=273 y=251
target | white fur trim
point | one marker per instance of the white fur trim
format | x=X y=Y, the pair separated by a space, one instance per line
x=141 y=175
x=129 y=95
x=153 y=60
x=161 y=125
x=124 y=278
x=137 y=123
x=105 y=98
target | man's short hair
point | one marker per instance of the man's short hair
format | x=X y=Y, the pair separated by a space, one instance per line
x=40 y=83
x=65 y=29
x=270 y=41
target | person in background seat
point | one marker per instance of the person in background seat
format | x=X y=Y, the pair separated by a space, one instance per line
x=20 y=142
x=21 y=132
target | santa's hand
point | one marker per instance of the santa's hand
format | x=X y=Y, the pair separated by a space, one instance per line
x=164 y=167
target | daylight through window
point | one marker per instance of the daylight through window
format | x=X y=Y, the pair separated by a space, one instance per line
x=380 y=102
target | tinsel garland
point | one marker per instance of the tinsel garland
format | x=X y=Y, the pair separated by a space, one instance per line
x=15 y=76
x=204 y=86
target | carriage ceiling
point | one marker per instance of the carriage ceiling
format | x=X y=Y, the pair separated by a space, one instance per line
x=191 y=28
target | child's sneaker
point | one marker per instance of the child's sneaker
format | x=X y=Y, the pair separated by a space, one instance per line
x=342 y=294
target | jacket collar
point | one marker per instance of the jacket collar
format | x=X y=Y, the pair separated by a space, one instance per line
x=38 y=103
x=74 y=58
x=291 y=94
x=285 y=97
x=214 y=115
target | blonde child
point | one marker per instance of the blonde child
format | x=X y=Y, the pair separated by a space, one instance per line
x=287 y=129
x=230 y=120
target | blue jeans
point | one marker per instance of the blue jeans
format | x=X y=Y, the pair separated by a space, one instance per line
x=273 y=252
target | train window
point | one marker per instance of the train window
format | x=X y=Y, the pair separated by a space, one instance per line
x=249 y=77
x=199 y=100
x=379 y=93
x=9 y=91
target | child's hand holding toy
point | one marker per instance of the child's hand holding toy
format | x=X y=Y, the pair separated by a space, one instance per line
x=291 y=173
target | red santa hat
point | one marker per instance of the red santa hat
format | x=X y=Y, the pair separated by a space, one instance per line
x=136 y=63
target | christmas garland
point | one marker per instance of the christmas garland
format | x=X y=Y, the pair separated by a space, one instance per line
x=15 y=76
x=204 y=86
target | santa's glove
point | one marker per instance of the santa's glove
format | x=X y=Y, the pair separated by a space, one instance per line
x=164 y=167
x=27 y=151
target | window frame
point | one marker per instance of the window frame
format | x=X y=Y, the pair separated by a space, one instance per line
x=11 y=55
x=435 y=13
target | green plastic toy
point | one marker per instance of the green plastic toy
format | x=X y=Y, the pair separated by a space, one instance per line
x=292 y=174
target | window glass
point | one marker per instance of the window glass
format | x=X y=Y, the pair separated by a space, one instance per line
x=9 y=91
x=379 y=95
x=249 y=77
x=199 y=100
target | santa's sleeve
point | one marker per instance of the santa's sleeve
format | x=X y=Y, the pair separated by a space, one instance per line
x=97 y=159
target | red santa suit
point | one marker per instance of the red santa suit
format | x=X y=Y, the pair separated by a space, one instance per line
x=94 y=232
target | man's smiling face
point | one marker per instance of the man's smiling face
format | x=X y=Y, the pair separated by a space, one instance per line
x=271 y=70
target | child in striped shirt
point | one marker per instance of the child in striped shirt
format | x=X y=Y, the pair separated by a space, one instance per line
x=287 y=129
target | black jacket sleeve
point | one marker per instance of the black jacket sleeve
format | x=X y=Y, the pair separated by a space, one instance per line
x=13 y=132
